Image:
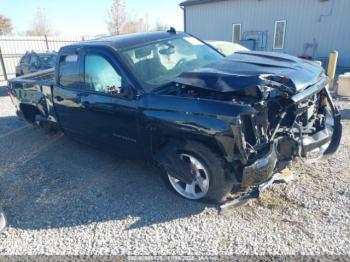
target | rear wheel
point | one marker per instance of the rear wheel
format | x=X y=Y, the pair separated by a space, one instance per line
x=213 y=182
x=36 y=118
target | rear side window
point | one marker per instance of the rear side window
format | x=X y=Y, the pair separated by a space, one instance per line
x=25 y=59
x=69 y=71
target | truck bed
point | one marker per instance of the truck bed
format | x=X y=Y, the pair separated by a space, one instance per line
x=32 y=94
x=45 y=75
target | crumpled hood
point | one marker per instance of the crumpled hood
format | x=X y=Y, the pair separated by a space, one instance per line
x=247 y=69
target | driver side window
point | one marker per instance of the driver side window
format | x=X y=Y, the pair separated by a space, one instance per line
x=100 y=75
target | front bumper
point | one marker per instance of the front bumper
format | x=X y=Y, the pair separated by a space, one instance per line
x=263 y=172
x=252 y=194
x=324 y=142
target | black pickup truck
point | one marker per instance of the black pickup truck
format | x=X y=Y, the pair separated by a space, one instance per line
x=216 y=125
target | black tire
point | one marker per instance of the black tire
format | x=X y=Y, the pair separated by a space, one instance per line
x=221 y=179
x=48 y=129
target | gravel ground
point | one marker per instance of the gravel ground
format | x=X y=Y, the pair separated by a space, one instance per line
x=62 y=197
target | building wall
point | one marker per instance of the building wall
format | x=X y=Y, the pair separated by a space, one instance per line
x=326 y=23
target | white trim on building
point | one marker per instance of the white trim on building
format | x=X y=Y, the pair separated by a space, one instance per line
x=234 y=35
x=278 y=40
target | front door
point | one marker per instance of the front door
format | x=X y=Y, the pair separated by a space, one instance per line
x=102 y=111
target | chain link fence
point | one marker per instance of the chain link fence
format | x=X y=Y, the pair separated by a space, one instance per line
x=12 y=48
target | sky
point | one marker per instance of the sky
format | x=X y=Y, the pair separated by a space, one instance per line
x=87 y=17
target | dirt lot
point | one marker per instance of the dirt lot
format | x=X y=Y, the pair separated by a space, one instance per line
x=62 y=197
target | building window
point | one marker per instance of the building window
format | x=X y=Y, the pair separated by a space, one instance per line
x=280 y=31
x=236 y=33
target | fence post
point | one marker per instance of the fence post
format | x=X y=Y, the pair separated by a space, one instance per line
x=332 y=67
x=2 y=64
x=47 y=43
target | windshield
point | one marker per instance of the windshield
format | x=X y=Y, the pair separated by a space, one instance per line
x=159 y=63
x=49 y=59
x=228 y=48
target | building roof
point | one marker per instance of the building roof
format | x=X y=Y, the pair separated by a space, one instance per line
x=198 y=2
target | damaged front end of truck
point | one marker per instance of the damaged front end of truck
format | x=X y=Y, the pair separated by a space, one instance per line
x=292 y=114
x=305 y=125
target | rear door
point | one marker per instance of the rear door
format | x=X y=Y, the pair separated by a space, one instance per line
x=67 y=93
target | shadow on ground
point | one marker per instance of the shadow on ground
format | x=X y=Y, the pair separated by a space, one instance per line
x=345 y=114
x=3 y=91
x=10 y=123
x=50 y=181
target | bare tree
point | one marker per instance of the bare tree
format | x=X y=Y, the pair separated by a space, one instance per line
x=119 y=21
x=40 y=24
x=160 y=26
x=117 y=18
x=134 y=26
x=5 y=25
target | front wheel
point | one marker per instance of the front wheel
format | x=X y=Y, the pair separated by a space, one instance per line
x=199 y=187
x=213 y=181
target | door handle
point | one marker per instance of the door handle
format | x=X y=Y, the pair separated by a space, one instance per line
x=85 y=94
x=59 y=98
x=82 y=99
x=86 y=104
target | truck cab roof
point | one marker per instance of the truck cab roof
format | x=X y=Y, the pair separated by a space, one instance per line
x=125 y=41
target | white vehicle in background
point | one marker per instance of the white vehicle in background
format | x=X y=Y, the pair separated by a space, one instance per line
x=227 y=48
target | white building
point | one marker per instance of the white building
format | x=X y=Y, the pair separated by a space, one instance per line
x=311 y=28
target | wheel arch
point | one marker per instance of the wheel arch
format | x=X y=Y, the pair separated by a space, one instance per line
x=159 y=143
x=29 y=110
